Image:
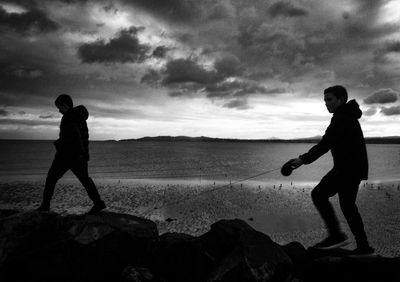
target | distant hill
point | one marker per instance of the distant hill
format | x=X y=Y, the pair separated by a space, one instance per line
x=369 y=140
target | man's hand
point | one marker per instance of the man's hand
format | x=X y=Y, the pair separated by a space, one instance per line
x=295 y=163
x=289 y=166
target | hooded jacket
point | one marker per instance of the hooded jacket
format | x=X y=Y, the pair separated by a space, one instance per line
x=345 y=139
x=74 y=134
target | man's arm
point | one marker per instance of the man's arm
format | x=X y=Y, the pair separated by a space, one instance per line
x=332 y=134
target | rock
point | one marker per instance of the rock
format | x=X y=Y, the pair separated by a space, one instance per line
x=230 y=251
x=45 y=246
x=179 y=257
x=49 y=247
x=24 y=233
x=138 y=274
x=6 y=213
x=296 y=251
x=337 y=265
x=244 y=254
x=299 y=256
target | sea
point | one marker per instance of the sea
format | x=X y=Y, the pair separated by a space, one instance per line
x=195 y=160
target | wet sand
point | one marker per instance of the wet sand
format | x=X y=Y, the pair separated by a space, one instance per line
x=285 y=212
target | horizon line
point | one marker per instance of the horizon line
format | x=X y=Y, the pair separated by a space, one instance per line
x=206 y=137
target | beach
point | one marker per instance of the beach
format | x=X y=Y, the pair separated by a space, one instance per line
x=284 y=211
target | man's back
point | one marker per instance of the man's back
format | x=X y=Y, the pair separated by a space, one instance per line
x=74 y=133
x=345 y=139
x=349 y=151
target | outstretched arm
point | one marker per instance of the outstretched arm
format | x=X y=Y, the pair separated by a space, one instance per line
x=332 y=134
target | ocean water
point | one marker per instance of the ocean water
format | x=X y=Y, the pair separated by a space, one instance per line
x=188 y=160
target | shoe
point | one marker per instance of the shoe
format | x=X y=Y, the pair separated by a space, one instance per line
x=97 y=208
x=43 y=207
x=333 y=242
x=363 y=251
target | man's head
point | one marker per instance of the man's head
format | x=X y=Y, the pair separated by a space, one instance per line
x=64 y=103
x=334 y=97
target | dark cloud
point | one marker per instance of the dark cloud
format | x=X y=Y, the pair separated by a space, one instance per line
x=238 y=89
x=393 y=46
x=28 y=122
x=22 y=71
x=378 y=77
x=34 y=21
x=177 y=93
x=77 y=1
x=391 y=111
x=51 y=116
x=160 y=52
x=228 y=65
x=218 y=12
x=286 y=9
x=186 y=77
x=363 y=23
x=293 y=50
x=186 y=38
x=175 y=11
x=239 y=104
x=3 y=113
x=265 y=48
x=152 y=77
x=125 y=48
x=188 y=71
x=382 y=96
x=363 y=28
x=387 y=48
x=370 y=111
x=370 y=7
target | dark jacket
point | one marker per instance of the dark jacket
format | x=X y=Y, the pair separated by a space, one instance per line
x=345 y=139
x=74 y=134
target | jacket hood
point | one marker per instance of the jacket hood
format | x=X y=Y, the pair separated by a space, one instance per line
x=351 y=109
x=78 y=113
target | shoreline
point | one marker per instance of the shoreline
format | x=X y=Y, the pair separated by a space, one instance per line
x=284 y=213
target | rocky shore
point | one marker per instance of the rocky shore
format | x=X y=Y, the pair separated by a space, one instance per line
x=46 y=246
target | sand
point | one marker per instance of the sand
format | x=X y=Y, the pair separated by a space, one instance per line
x=282 y=211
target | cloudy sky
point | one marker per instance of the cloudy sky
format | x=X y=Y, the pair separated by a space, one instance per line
x=218 y=68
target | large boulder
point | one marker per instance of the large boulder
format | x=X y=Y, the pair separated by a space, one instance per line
x=7 y=213
x=244 y=254
x=296 y=251
x=45 y=246
x=340 y=265
x=230 y=251
x=25 y=233
x=179 y=257
x=139 y=274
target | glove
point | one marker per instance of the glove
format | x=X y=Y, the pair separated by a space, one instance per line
x=288 y=167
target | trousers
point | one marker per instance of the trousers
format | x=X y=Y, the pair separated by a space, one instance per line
x=79 y=166
x=347 y=188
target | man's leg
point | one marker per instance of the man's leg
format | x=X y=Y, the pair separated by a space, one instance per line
x=320 y=195
x=58 y=168
x=347 y=199
x=80 y=169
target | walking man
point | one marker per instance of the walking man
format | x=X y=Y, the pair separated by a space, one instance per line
x=345 y=139
x=72 y=153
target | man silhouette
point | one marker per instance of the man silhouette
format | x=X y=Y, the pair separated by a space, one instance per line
x=345 y=139
x=72 y=153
